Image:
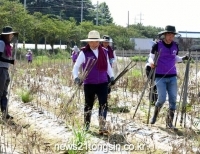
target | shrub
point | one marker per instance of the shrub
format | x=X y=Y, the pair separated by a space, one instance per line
x=26 y=96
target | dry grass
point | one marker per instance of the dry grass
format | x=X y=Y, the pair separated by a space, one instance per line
x=52 y=87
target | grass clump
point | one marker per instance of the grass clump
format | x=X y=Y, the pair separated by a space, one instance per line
x=26 y=96
x=139 y=58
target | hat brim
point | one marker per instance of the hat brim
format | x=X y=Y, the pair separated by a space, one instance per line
x=163 y=32
x=108 y=41
x=15 y=33
x=92 y=40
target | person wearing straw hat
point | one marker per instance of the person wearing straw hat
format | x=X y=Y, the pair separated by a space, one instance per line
x=75 y=53
x=107 y=47
x=166 y=74
x=96 y=82
x=5 y=59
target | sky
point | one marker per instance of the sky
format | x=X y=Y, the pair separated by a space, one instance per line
x=183 y=14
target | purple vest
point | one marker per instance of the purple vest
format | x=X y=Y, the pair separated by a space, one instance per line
x=29 y=56
x=74 y=56
x=95 y=76
x=167 y=59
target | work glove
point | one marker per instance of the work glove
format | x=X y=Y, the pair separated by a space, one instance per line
x=77 y=81
x=186 y=58
x=112 y=81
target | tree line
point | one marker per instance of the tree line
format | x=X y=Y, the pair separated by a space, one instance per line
x=39 y=27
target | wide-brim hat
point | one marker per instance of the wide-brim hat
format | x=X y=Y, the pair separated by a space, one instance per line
x=168 y=29
x=107 y=39
x=93 y=36
x=8 y=30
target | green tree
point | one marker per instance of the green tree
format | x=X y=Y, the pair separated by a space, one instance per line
x=37 y=31
x=62 y=9
x=146 y=31
x=104 y=15
x=13 y=14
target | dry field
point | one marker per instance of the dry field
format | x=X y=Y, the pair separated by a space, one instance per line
x=48 y=120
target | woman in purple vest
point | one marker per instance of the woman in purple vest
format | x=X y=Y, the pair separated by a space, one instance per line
x=107 y=47
x=166 y=74
x=96 y=83
x=5 y=61
x=29 y=56
x=75 y=53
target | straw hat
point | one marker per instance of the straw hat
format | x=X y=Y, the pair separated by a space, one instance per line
x=93 y=36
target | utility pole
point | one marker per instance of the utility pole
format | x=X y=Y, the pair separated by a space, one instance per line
x=24 y=5
x=81 y=10
x=60 y=20
x=135 y=20
x=97 y=17
x=24 y=30
x=141 y=18
x=128 y=19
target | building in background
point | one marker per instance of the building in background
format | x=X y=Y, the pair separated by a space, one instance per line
x=189 y=40
x=142 y=44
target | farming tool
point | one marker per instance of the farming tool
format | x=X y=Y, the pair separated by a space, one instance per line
x=184 y=92
x=152 y=72
x=125 y=70
x=89 y=65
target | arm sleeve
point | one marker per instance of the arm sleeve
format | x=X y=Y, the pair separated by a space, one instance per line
x=115 y=58
x=80 y=60
x=178 y=59
x=151 y=58
x=109 y=71
x=2 y=46
x=154 y=48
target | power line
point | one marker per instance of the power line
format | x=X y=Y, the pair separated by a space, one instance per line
x=140 y=19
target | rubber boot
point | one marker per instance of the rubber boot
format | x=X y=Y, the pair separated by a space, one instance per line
x=87 y=119
x=4 y=103
x=169 y=120
x=102 y=119
x=102 y=126
x=155 y=115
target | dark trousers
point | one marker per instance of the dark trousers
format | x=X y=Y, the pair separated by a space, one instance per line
x=154 y=93
x=90 y=90
x=109 y=89
x=4 y=82
x=29 y=61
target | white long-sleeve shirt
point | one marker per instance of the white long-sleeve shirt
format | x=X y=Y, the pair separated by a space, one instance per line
x=81 y=59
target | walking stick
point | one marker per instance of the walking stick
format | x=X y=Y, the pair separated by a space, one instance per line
x=148 y=79
x=151 y=89
x=15 y=40
x=180 y=99
x=185 y=93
